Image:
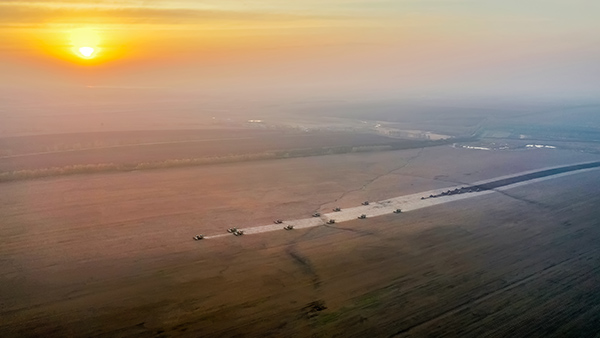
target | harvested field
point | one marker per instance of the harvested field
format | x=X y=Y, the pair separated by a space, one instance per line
x=211 y=199
x=421 y=200
x=132 y=148
x=112 y=255
x=56 y=143
x=35 y=144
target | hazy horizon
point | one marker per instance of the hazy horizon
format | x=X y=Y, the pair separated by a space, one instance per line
x=367 y=48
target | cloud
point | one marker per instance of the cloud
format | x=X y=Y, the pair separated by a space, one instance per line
x=32 y=12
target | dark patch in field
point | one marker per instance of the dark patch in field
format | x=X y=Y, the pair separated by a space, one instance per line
x=306 y=265
x=313 y=308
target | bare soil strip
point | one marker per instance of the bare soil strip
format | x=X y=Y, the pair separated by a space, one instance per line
x=133 y=145
x=416 y=201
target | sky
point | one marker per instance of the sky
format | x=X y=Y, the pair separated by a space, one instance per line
x=311 y=46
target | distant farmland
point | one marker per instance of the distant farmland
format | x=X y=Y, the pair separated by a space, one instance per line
x=76 y=154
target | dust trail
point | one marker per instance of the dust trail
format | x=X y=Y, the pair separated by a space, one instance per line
x=419 y=200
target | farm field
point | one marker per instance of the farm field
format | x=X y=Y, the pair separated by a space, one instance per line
x=45 y=151
x=300 y=169
x=212 y=198
x=112 y=254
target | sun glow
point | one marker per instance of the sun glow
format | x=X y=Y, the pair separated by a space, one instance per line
x=84 y=42
x=87 y=46
x=86 y=51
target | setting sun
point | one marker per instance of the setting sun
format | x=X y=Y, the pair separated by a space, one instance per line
x=85 y=42
x=86 y=51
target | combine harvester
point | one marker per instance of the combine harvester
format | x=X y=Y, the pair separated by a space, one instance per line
x=401 y=204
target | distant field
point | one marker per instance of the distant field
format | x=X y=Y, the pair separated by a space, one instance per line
x=206 y=141
x=22 y=145
x=117 y=151
x=559 y=121
x=112 y=255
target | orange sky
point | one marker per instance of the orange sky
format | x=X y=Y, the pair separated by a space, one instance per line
x=377 y=44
